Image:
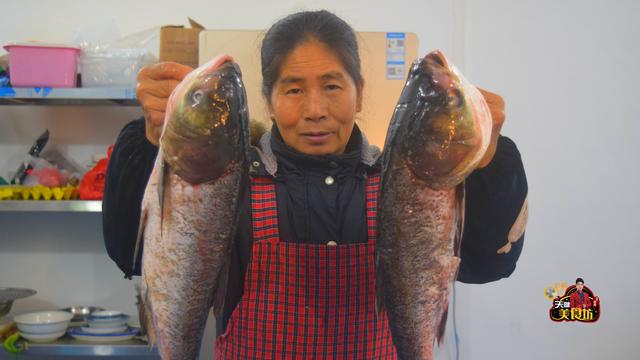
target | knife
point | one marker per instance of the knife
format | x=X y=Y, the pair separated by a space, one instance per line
x=26 y=166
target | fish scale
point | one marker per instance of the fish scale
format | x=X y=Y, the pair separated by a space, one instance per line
x=190 y=207
x=437 y=136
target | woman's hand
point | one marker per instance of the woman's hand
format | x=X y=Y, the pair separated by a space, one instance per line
x=155 y=84
x=496 y=106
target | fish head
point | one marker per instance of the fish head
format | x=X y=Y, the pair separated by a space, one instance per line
x=206 y=121
x=447 y=122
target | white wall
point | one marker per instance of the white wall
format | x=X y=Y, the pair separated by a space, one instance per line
x=566 y=71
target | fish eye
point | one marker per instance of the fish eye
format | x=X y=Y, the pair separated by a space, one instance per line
x=454 y=97
x=197 y=96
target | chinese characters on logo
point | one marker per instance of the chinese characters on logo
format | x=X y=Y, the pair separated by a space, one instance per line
x=578 y=303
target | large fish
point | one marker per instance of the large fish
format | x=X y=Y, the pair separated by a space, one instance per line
x=438 y=134
x=189 y=209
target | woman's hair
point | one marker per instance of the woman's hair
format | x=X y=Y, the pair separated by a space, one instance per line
x=286 y=34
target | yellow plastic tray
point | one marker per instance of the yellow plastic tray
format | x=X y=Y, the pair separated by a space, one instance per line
x=38 y=192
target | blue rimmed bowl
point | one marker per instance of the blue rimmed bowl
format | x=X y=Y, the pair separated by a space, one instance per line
x=81 y=335
x=107 y=319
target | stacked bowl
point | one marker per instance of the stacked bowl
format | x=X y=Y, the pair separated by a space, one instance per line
x=106 y=321
x=43 y=326
x=107 y=325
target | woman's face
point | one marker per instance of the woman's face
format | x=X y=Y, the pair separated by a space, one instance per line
x=314 y=100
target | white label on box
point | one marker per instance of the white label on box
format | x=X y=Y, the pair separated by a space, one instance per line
x=395 y=56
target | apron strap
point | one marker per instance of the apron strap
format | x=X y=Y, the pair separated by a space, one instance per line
x=373 y=184
x=264 y=209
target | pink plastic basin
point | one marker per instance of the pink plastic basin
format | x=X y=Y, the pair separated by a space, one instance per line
x=42 y=65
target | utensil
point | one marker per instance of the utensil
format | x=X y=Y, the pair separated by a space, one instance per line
x=27 y=166
x=81 y=313
x=8 y=295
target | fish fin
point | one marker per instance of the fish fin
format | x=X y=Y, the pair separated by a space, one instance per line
x=442 y=325
x=139 y=238
x=450 y=271
x=460 y=204
x=457 y=243
x=144 y=316
x=161 y=181
x=220 y=290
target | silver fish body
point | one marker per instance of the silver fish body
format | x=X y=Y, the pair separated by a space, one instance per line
x=438 y=134
x=189 y=209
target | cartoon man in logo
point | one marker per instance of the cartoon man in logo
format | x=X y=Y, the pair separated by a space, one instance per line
x=580 y=299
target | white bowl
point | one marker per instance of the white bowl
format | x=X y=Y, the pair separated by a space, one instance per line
x=42 y=338
x=113 y=324
x=104 y=330
x=43 y=322
x=106 y=314
x=108 y=322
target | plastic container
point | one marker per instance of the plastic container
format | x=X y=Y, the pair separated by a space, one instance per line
x=34 y=64
x=112 y=68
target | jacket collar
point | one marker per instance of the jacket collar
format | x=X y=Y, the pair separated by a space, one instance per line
x=264 y=162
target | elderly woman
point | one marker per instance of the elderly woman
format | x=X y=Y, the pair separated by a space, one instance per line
x=313 y=87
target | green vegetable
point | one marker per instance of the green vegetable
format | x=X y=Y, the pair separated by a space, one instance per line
x=10 y=344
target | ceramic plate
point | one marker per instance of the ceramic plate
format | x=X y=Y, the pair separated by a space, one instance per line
x=104 y=330
x=78 y=334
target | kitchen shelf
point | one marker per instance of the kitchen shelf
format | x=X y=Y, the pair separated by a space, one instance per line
x=67 y=347
x=70 y=96
x=51 y=205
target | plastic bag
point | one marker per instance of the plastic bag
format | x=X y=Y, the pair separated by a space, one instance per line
x=92 y=183
x=111 y=68
x=50 y=176
x=108 y=60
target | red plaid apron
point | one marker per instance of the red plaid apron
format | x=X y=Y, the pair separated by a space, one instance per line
x=306 y=301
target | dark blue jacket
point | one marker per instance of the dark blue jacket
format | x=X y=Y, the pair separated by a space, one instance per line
x=312 y=212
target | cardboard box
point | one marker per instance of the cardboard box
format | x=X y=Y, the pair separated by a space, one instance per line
x=381 y=91
x=180 y=44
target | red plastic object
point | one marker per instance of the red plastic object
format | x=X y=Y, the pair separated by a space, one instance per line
x=92 y=183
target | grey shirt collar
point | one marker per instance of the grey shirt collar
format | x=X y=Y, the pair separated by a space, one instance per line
x=369 y=155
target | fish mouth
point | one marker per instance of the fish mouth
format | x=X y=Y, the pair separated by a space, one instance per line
x=226 y=69
x=438 y=58
x=222 y=83
x=218 y=61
